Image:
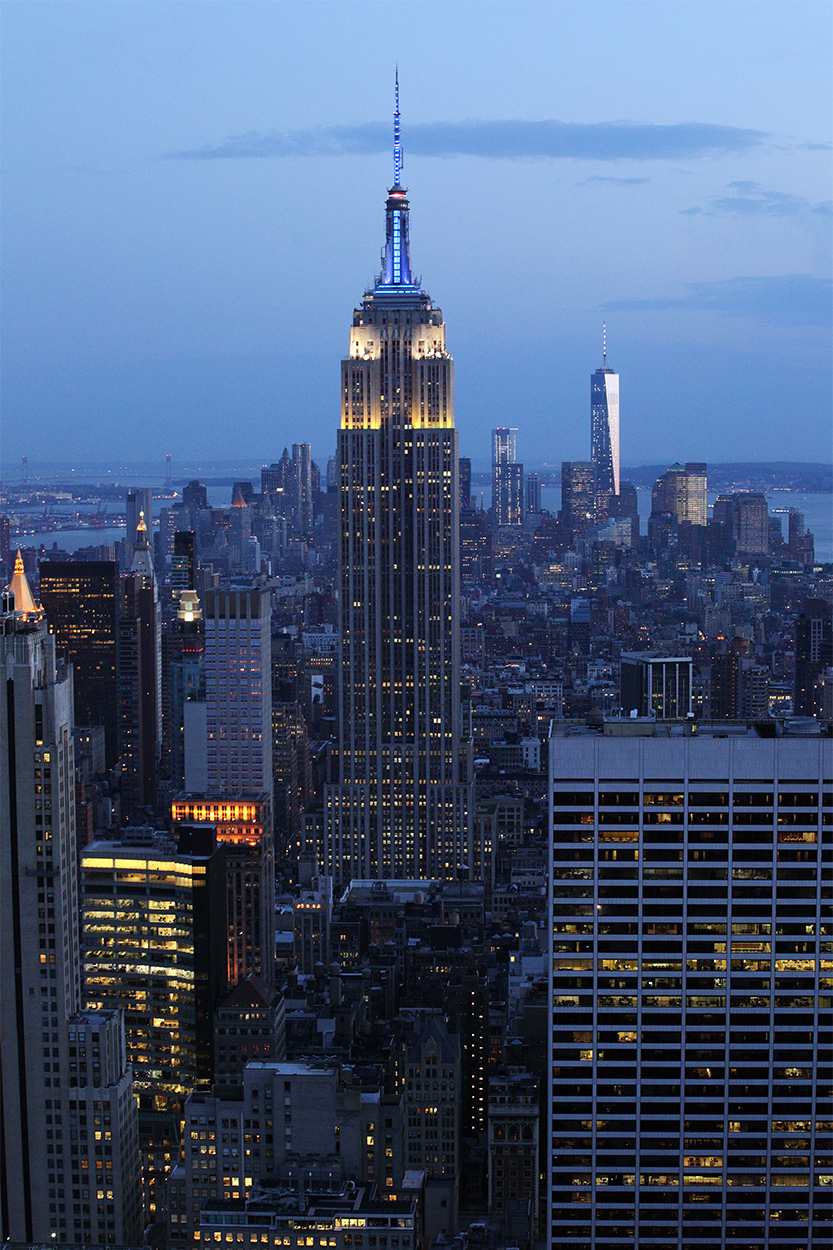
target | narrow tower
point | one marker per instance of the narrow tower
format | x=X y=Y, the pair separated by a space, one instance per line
x=402 y=805
x=604 y=430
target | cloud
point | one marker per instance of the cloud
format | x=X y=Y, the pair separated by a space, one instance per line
x=750 y=199
x=797 y=299
x=507 y=140
x=618 y=182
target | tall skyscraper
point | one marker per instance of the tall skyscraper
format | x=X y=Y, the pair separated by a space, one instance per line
x=302 y=491
x=63 y=1075
x=238 y=692
x=813 y=654
x=577 y=495
x=140 y=679
x=533 y=493
x=681 y=491
x=507 y=478
x=465 y=484
x=402 y=804
x=81 y=602
x=691 y=1010
x=696 y=482
x=604 y=428
x=155 y=947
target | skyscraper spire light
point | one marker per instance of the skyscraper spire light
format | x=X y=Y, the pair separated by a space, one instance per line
x=396 y=261
x=397 y=139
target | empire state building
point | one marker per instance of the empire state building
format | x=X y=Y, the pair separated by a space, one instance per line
x=402 y=807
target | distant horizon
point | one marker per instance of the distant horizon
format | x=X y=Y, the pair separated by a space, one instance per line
x=10 y=473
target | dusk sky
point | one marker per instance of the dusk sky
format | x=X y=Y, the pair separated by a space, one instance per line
x=194 y=204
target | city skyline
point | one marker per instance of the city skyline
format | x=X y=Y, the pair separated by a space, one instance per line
x=148 y=256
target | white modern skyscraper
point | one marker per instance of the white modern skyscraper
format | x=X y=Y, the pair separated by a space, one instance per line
x=401 y=808
x=238 y=692
x=69 y=1145
x=604 y=427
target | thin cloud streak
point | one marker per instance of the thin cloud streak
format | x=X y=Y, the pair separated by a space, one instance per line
x=503 y=140
x=751 y=199
x=612 y=180
x=797 y=299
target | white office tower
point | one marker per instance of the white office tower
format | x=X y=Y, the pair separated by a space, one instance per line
x=692 y=1014
x=604 y=428
x=69 y=1151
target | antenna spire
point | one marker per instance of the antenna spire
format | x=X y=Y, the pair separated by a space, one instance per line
x=397 y=139
x=604 y=344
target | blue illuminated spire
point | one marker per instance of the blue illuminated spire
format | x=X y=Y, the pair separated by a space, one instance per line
x=396 y=263
x=397 y=139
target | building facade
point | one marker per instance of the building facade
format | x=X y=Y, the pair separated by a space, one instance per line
x=690 y=990
x=69 y=1148
x=238 y=692
x=401 y=807
x=604 y=431
x=507 y=478
x=81 y=601
x=155 y=947
x=578 y=496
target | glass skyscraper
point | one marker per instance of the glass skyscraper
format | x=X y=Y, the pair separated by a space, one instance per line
x=402 y=806
x=604 y=429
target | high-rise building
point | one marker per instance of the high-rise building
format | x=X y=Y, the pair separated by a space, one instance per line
x=243 y=828
x=5 y=540
x=238 y=691
x=276 y=481
x=183 y=682
x=625 y=504
x=140 y=679
x=604 y=429
x=578 y=494
x=138 y=503
x=753 y=524
x=69 y=1147
x=81 y=603
x=195 y=495
x=533 y=493
x=183 y=562
x=696 y=475
x=813 y=655
x=155 y=947
x=302 y=489
x=507 y=478
x=402 y=804
x=690 y=1008
x=465 y=484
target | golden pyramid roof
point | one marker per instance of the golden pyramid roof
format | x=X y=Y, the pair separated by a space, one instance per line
x=19 y=586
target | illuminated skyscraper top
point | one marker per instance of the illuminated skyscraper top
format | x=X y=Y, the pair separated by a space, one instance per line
x=604 y=428
x=395 y=278
x=402 y=806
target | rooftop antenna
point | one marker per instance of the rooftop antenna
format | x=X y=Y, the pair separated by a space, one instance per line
x=604 y=344
x=397 y=139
